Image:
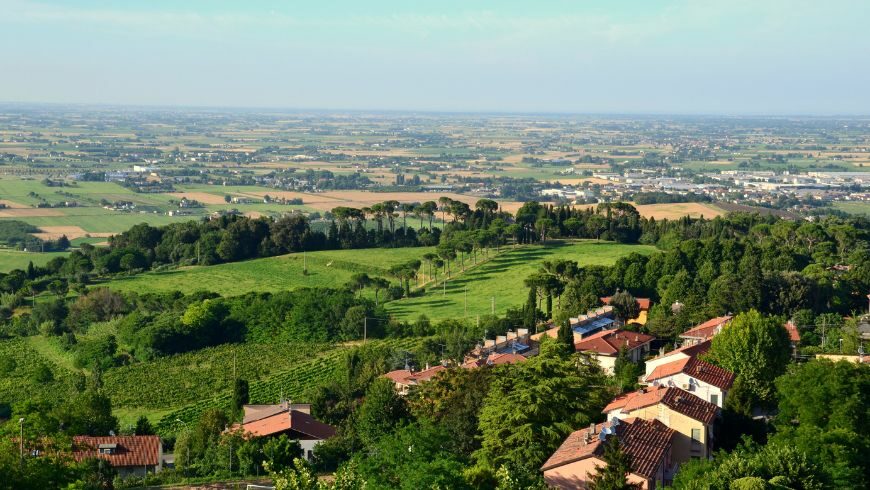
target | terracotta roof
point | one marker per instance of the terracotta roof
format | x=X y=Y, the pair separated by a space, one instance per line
x=494 y=360
x=608 y=342
x=646 y=441
x=693 y=350
x=696 y=368
x=707 y=329
x=678 y=400
x=402 y=376
x=407 y=377
x=644 y=303
x=257 y=412
x=294 y=420
x=793 y=333
x=129 y=450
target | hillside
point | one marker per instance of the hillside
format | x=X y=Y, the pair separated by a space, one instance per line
x=325 y=269
x=502 y=278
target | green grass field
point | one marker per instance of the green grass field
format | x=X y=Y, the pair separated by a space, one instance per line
x=502 y=278
x=325 y=269
x=13 y=259
x=854 y=207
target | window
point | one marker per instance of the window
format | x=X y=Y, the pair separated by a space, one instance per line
x=696 y=440
x=714 y=399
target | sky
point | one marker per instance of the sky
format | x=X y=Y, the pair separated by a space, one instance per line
x=539 y=56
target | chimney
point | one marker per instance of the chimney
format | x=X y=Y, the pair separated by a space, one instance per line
x=592 y=428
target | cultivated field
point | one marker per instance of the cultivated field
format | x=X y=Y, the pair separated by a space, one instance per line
x=678 y=210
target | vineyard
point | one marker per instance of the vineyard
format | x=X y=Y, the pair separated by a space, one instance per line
x=178 y=380
x=292 y=383
x=26 y=375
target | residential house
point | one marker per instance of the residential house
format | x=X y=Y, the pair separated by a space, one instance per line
x=293 y=419
x=684 y=352
x=405 y=379
x=689 y=415
x=708 y=382
x=647 y=442
x=514 y=342
x=494 y=360
x=584 y=325
x=794 y=336
x=129 y=455
x=705 y=331
x=605 y=346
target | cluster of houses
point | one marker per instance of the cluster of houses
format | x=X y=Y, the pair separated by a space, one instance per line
x=665 y=423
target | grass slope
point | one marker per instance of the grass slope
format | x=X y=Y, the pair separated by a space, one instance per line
x=13 y=259
x=325 y=269
x=502 y=278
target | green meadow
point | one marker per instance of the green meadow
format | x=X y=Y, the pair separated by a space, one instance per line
x=499 y=281
x=330 y=269
x=13 y=259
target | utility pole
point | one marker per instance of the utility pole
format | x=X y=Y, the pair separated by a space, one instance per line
x=365 y=328
x=445 y=287
x=466 y=300
x=492 y=308
x=824 y=322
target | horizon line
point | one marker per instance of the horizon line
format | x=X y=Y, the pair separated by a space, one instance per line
x=288 y=109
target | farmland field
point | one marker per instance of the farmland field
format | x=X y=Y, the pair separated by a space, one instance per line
x=13 y=259
x=678 y=210
x=854 y=207
x=502 y=278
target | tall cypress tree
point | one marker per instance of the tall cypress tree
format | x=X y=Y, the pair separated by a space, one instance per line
x=565 y=336
x=530 y=309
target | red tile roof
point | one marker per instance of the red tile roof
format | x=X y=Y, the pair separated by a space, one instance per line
x=402 y=376
x=129 y=450
x=289 y=420
x=608 y=342
x=692 y=350
x=495 y=360
x=678 y=400
x=696 y=368
x=644 y=303
x=645 y=441
x=407 y=377
x=707 y=329
x=793 y=333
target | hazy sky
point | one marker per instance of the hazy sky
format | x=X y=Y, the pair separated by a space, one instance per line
x=688 y=56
